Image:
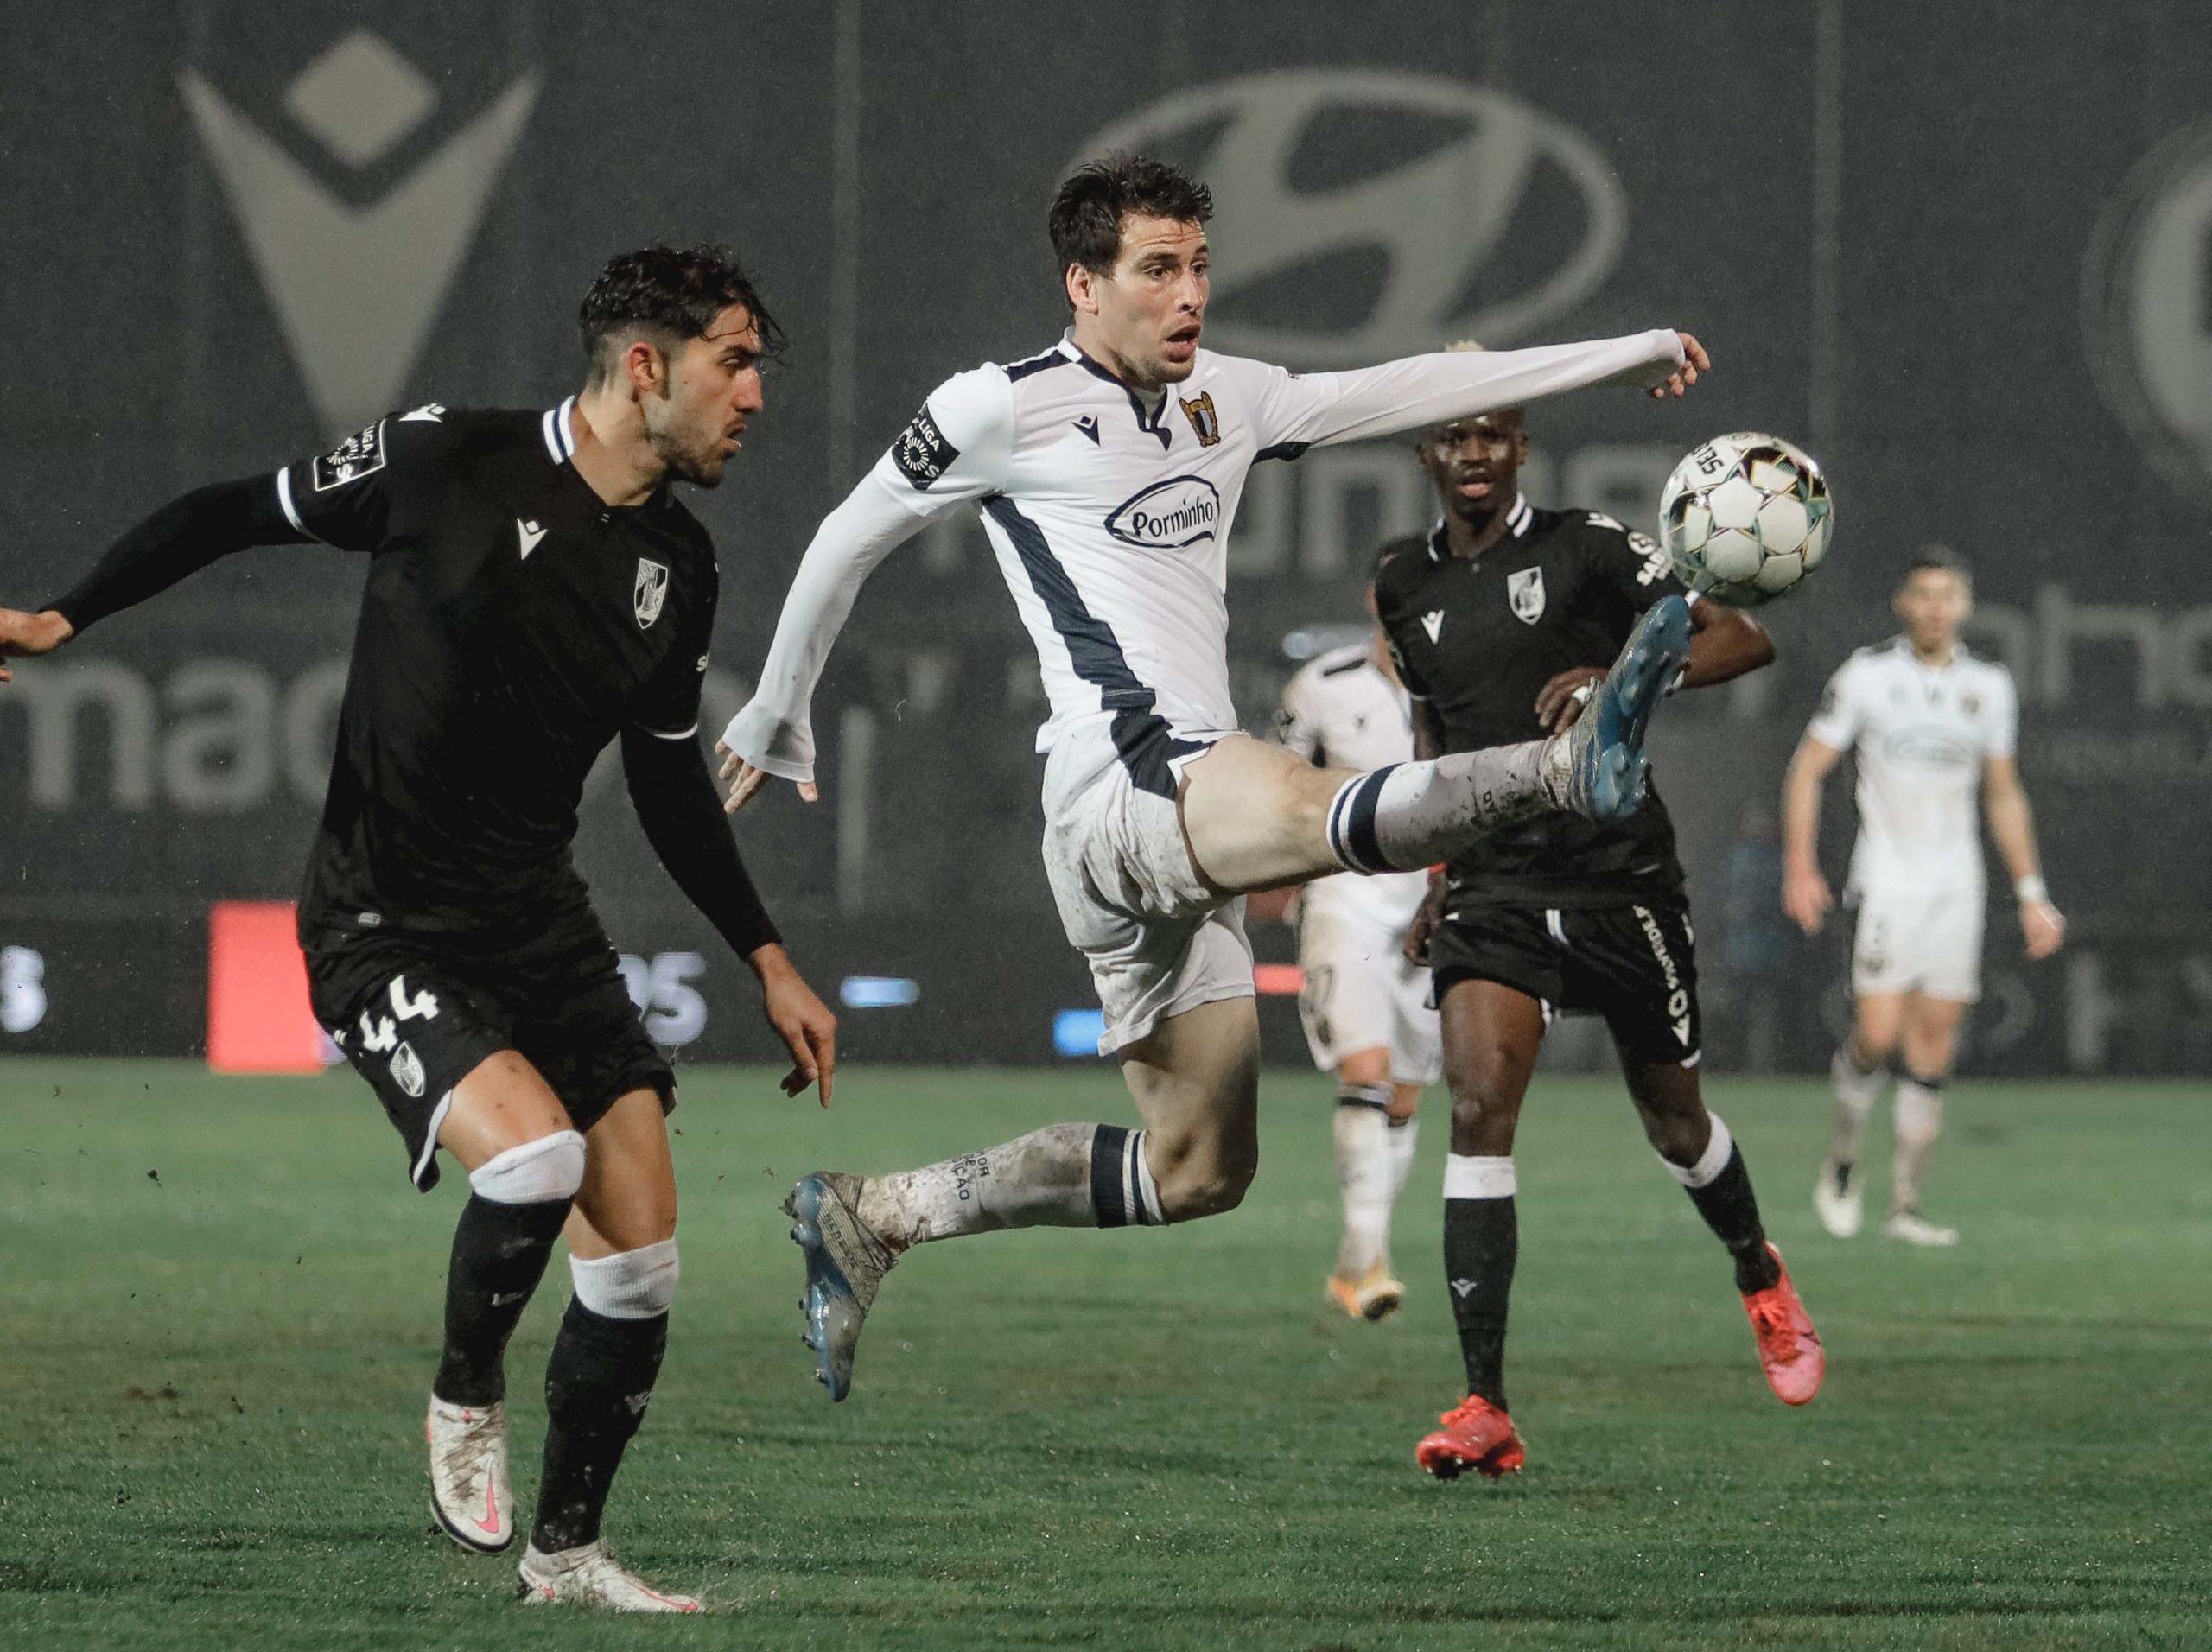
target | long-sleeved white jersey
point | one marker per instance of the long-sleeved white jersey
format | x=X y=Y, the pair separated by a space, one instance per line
x=1109 y=512
x=1923 y=734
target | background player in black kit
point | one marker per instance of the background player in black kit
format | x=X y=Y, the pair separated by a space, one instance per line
x=1498 y=616
x=534 y=591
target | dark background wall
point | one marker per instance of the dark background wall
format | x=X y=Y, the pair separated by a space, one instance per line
x=1963 y=257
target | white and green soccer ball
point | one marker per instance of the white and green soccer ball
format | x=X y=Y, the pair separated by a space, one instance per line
x=1745 y=516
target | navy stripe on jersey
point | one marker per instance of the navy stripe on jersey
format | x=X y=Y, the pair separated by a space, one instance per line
x=1140 y=735
x=1093 y=649
x=1021 y=370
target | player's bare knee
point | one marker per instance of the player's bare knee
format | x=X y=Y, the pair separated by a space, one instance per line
x=1201 y=1175
x=1484 y=1113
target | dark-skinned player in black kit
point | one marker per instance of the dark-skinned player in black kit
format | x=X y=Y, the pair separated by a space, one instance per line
x=1499 y=617
x=534 y=591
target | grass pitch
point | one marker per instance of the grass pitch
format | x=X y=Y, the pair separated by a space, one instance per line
x=221 y=1307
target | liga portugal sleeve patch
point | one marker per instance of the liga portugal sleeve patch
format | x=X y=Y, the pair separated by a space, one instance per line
x=921 y=452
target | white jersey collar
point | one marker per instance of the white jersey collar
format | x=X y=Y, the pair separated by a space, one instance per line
x=560 y=437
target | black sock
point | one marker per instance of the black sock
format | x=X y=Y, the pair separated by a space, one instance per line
x=1482 y=1239
x=1732 y=1210
x=500 y=1253
x=597 y=1382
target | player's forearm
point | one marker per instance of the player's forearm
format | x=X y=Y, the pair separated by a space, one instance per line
x=1423 y=390
x=178 y=540
x=2012 y=823
x=1801 y=813
x=683 y=821
x=1726 y=644
x=773 y=733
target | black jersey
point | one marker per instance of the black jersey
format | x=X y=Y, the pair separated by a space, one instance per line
x=513 y=623
x=1478 y=639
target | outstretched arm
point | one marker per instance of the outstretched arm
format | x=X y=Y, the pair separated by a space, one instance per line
x=180 y=539
x=2005 y=800
x=1421 y=390
x=676 y=805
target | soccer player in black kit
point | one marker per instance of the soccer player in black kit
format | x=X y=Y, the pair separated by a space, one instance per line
x=534 y=591
x=1499 y=616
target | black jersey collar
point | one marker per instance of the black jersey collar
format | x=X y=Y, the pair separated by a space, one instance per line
x=560 y=439
x=1516 y=523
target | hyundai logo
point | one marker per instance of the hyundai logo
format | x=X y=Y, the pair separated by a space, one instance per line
x=1295 y=276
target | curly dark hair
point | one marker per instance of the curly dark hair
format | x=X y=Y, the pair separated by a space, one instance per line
x=672 y=292
x=1088 y=206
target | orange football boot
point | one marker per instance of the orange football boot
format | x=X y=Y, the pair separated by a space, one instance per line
x=1476 y=1435
x=1790 y=1348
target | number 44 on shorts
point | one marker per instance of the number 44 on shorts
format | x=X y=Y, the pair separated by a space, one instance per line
x=381 y=1032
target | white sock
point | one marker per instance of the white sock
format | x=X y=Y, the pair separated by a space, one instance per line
x=1062 y=1176
x=1856 y=1092
x=1413 y=815
x=1919 y=1120
x=1404 y=1133
x=1362 y=1131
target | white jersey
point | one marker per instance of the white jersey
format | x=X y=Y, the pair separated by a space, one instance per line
x=1922 y=735
x=1341 y=712
x=1109 y=512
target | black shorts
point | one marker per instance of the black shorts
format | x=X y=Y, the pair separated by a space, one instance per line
x=1636 y=965
x=415 y=1013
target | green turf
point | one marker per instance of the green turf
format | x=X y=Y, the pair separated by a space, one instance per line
x=220 y=1302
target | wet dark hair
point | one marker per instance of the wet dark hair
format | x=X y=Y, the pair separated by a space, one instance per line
x=1087 y=209
x=673 y=293
x=1938 y=559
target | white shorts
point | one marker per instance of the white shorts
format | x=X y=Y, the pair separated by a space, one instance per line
x=1360 y=993
x=1158 y=940
x=1919 y=941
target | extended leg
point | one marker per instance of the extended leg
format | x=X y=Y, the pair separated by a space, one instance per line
x=1195 y=1079
x=1257 y=818
x=1362 y=1128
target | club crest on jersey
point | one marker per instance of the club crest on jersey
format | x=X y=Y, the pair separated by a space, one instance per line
x=1169 y=515
x=359 y=456
x=921 y=452
x=1524 y=593
x=651 y=591
x=1203 y=418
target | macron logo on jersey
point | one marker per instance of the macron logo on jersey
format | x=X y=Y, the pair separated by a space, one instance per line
x=1169 y=515
x=528 y=531
x=1432 y=623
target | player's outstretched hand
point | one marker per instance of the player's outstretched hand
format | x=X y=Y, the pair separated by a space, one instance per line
x=743 y=780
x=24 y=635
x=1694 y=361
x=1807 y=898
x=801 y=1020
x=1559 y=702
x=2044 y=927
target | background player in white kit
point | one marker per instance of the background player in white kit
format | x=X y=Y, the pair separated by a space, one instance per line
x=1364 y=1004
x=1108 y=468
x=1927 y=721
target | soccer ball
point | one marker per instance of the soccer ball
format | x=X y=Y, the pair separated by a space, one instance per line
x=1746 y=516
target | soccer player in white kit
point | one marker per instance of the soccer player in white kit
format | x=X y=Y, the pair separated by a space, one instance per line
x=1364 y=1003
x=1108 y=467
x=1928 y=723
